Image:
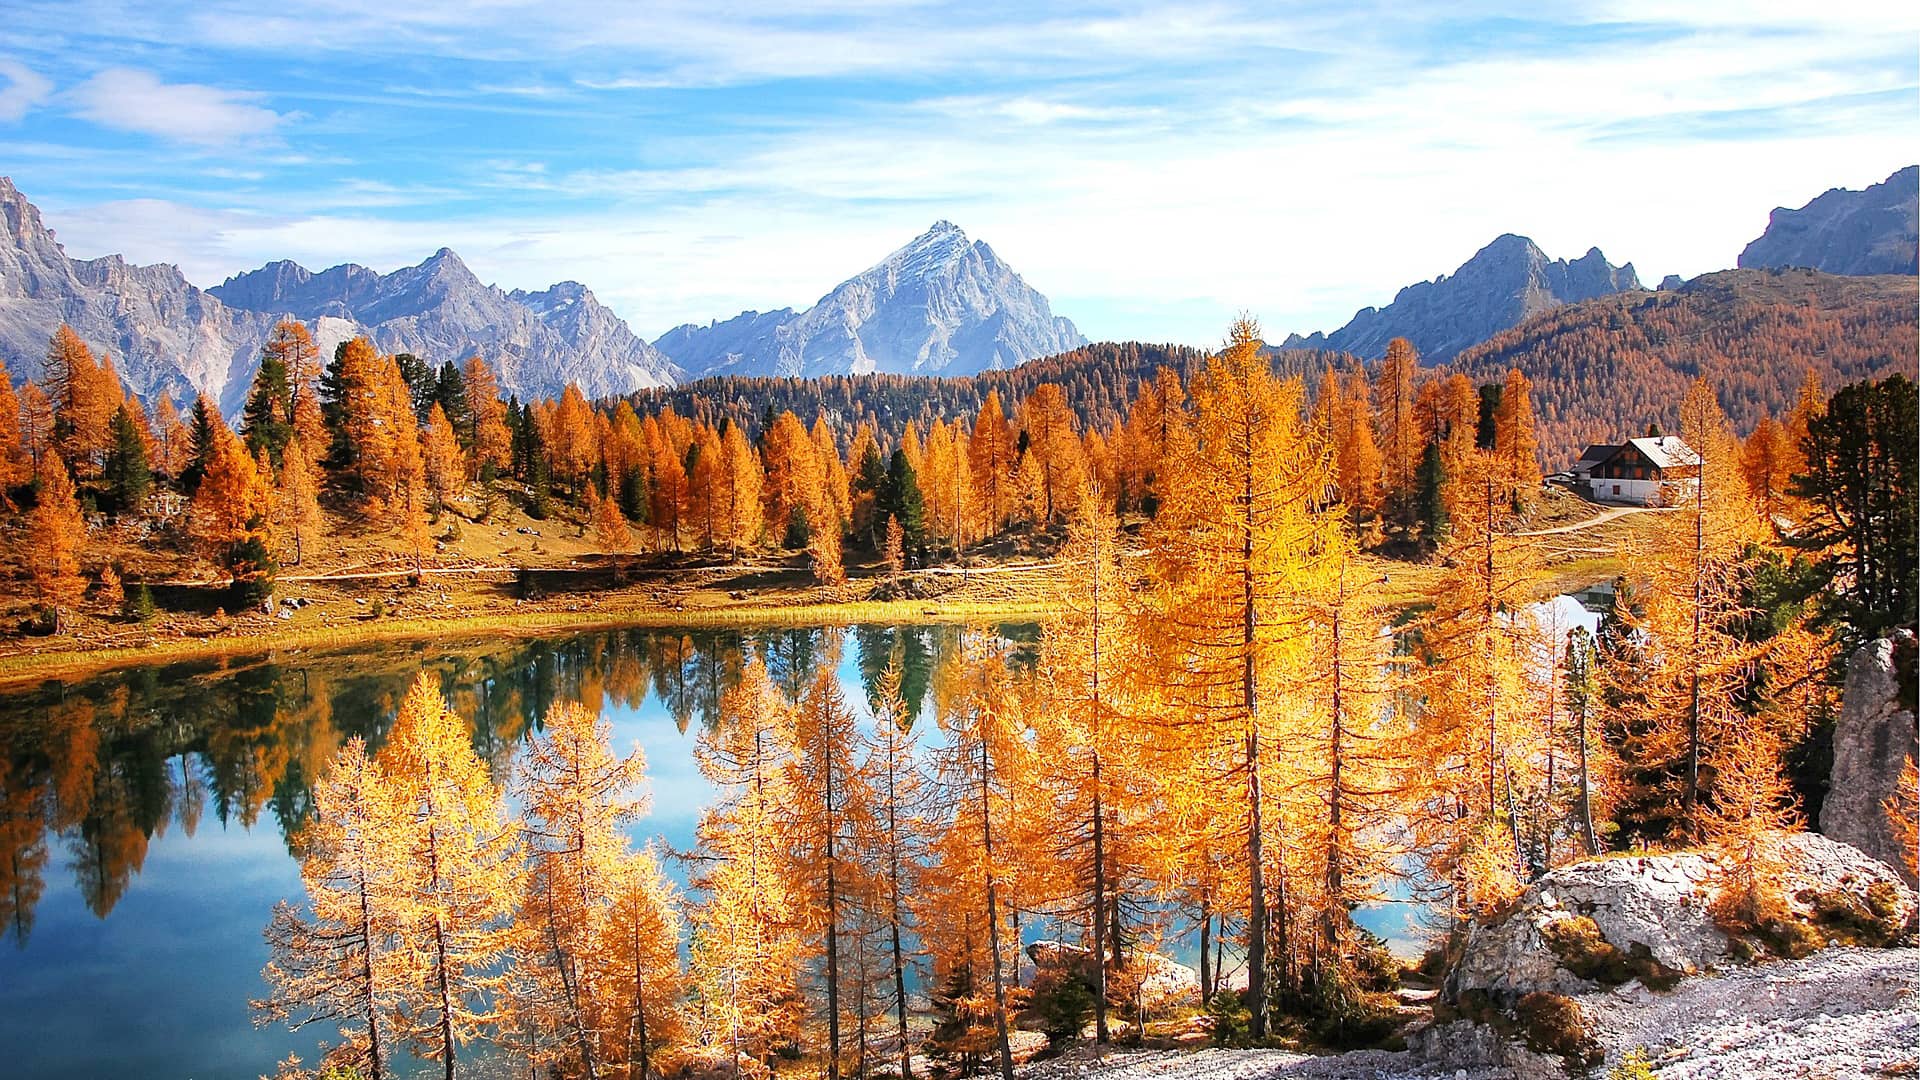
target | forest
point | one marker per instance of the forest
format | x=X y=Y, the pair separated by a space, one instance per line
x=1228 y=729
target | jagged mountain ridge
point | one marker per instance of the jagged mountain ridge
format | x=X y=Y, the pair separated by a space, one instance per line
x=1505 y=283
x=537 y=341
x=165 y=335
x=1874 y=231
x=169 y=337
x=941 y=305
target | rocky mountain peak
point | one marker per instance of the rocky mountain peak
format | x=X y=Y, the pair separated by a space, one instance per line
x=1873 y=231
x=941 y=304
x=1504 y=283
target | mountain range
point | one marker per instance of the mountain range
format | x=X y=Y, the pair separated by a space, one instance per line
x=167 y=336
x=941 y=305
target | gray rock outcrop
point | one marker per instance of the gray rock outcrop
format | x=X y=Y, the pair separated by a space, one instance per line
x=1504 y=284
x=1655 y=902
x=1875 y=231
x=1872 y=740
x=942 y=305
x=1605 y=921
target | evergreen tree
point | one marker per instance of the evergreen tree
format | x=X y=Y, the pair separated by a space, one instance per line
x=450 y=393
x=902 y=500
x=202 y=439
x=127 y=474
x=333 y=406
x=1430 y=504
x=422 y=385
x=1860 y=484
x=265 y=422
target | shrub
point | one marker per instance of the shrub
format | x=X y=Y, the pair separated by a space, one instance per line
x=1063 y=1003
x=1553 y=1024
x=1583 y=950
x=1232 y=1023
x=1634 y=1066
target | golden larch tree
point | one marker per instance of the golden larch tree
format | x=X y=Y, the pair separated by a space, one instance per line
x=1239 y=532
x=339 y=960
x=747 y=928
x=459 y=877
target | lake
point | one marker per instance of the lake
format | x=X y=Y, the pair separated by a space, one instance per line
x=144 y=814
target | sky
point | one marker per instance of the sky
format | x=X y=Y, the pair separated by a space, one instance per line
x=1152 y=168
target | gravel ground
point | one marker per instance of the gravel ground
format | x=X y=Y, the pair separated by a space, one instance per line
x=1840 y=1013
x=1247 y=1065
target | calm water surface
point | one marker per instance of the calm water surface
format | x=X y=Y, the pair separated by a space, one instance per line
x=144 y=815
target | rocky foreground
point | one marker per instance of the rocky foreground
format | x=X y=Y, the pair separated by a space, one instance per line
x=1843 y=1013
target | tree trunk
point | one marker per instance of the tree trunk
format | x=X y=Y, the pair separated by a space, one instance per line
x=993 y=921
x=1256 y=884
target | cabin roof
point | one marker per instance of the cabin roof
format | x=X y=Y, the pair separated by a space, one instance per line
x=1665 y=451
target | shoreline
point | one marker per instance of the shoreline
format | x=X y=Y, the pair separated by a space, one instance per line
x=22 y=670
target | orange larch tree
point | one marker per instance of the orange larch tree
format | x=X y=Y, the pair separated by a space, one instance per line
x=56 y=533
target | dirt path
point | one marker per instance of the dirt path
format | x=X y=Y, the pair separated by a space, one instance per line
x=1610 y=514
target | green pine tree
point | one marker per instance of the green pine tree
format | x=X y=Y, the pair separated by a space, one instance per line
x=128 y=475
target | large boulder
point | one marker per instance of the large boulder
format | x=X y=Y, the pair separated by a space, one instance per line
x=1871 y=742
x=1582 y=919
x=1606 y=921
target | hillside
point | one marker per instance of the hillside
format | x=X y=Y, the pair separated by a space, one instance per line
x=1607 y=368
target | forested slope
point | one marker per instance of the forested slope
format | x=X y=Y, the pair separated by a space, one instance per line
x=1605 y=369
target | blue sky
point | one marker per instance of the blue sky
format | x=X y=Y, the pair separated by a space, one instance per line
x=1152 y=168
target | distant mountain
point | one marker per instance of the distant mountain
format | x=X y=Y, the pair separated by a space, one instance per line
x=1504 y=284
x=942 y=305
x=1604 y=369
x=167 y=336
x=438 y=310
x=1876 y=231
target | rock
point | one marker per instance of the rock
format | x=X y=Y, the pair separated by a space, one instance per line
x=1656 y=902
x=1167 y=984
x=1026 y=1045
x=1604 y=922
x=1164 y=983
x=1871 y=742
x=1466 y=1046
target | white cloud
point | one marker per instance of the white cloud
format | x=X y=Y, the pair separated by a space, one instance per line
x=127 y=99
x=23 y=90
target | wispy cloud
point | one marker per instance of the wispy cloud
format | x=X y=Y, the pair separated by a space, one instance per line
x=23 y=90
x=127 y=99
x=1153 y=166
